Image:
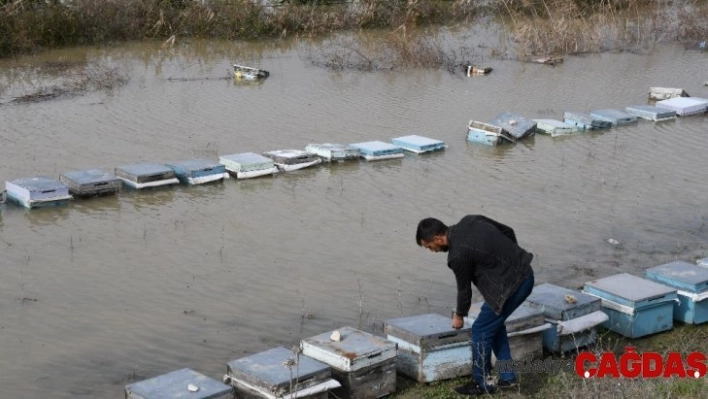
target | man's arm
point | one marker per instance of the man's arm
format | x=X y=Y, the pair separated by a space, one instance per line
x=463 y=277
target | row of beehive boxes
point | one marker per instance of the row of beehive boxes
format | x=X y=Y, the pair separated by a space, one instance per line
x=44 y=191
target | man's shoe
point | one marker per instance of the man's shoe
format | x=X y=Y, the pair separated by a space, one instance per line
x=508 y=384
x=472 y=389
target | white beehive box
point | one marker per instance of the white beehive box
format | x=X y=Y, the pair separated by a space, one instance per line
x=179 y=384
x=684 y=106
x=145 y=175
x=651 y=113
x=247 y=165
x=36 y=192
x=290 y=160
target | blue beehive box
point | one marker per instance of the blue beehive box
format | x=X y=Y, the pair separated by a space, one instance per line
x=91 y=182
x=418 y=144
x=691 y=282
x=635 y=306
x=198 y=171
x=144 y=175
x=573 y=316
x=277 y=373
x=554 y=128
x=484 y=133
x=334 y=152
x=378 y=150
x=651 y=113
x=585 y=121
x=37 y=192
x=614 y=117
x=184 y=383
x=429 y=349
x=247 y=165
x=515 y=125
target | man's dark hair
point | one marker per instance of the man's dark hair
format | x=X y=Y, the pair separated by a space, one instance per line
x=429 y=228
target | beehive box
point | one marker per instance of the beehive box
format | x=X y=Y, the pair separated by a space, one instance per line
x=484 y=133
x=363 y=363
x=289 y=160
x=651 y=113
x=555 y=127
x=198 y=171
x=585 y=121
x=691 y=283
x=378 y=150
x=247 y=165
x=524 y=327
x=144 y=175
x=279 y=373
x=702 y=262
x=91 y=182
x=37 y=192
x=418 y=144
x=3 y=195
x=684 y=106
x=515 y=125
x=614 y=116
x=184 y=383
x=635 y=306
x=664 y=93
x=334 y=152
x=573 y=316
x=429 y=349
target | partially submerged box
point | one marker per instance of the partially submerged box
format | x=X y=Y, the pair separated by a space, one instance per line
x=702 y=262
x=614 y=116
x=573 y=315
x=691 y=283
x=184 y=383
x=363 y=363
x=554 y=127
x=198 y=171
x=635 y=306
x=429 y=349
x=524 y=327
x=37 y=192
x=418 y=144
x=585 y=121
x=247 y=165
x=280 y=373
x=289 y=160
x=484 y=133
x=147 y=174
x=91 y=182
x=515 y=125
x=334 y=152
x=684 y=106
x=651 y=112
x=664 y=93
x=378 y=150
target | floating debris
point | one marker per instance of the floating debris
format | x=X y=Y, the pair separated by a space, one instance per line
x=242 y=72
x=471 y=69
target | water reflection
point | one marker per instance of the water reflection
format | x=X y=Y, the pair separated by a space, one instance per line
x=149 y=199
x=101 y=205
x=39 y=217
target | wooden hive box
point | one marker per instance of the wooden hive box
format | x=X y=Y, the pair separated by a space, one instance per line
x=691 y=283
x=331 y=152
x=363 y=363
x=176 y=385
x=378 y=150
x=279 y=373
x=91 y=182
x=37 y=192
x=429 y=349
x=198 y=171
x=418 y=144
x=585 y=121
x=635 y=306
x=684 y=106
x=145 y=175
x=614 y=116
x=484 y=133
x=289 y=160
x=651 y=113
x=248 y=165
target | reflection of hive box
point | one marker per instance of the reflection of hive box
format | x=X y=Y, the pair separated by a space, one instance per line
x=363 y=363
x=635 y=306
x=691 y=282
x=91 y=182
x=198 y=171
x=334 y=152
x=289 y=160
x=378 y=150
x=684 y=106
x=279 y=373
x=651 y=112
x=36 y=192
x=144 y=175
x=418 y=144
x=177 y=384
x=429 y=349
x=585 y=121
x=614 y=116
x=248 y=165
x=555 y=127
x=524 y=327
x=572 y=314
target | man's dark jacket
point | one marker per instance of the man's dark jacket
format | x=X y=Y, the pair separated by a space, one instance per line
x=485 y=253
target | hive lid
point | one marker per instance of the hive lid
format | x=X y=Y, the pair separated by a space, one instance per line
x=143 y=169
x=682 y=275
x=559 y=303
x=194 y=165
x=89 y=176
x=630 y=290
x=419 y=329
x=175 y=385
x=356 y=349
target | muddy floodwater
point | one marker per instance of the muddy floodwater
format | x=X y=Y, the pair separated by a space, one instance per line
x=108 y=291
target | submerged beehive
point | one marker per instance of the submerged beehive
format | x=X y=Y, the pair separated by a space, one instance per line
x=664 y=93
x=91 y=182
x=289 y=160
x=515 y=125
x=279 y=373
x=691 y=283
x=184 y=383
x=248 y=165
x=418 y=144
x=144 y=175
x=198 y=171
x=378 y=150
x=614 y=116
x=572 y=314
x=363 y=363
x=484 y=133
x=555 y=127
x=651 y=112
x=37 y=192
x=429 y=349
x=585 y=121
x=684 y=106
x=702 y=262
x=334 y=152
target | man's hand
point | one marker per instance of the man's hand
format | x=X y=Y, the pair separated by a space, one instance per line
x=457 y=321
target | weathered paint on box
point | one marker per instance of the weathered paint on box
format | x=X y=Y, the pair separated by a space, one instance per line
x=248 y=165
x=484 y=133
x=198 y=171
x=418 y=144
x=555 y=127
x=147 y=174
x=378 y=150
x=585 y=121
x=356 y=349
x=515 y=125
x=91 y=182
x=290 y=160
x=614 y=116
x=663 y=93
x=175 y=385
x=651 y=113
x=334 y=152
x=635 y=306
x=37 y=192
x=691 y=282
x=374 y=381
x=684 y=106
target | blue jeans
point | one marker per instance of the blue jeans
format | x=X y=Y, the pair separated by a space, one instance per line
x=489 y=335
